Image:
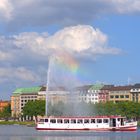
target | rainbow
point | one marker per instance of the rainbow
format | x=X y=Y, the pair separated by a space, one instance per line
x=67 y=62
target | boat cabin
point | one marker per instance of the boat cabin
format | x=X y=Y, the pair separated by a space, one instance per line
x=111 y=121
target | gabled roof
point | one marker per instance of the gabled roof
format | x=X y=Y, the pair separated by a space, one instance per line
x=30 y=90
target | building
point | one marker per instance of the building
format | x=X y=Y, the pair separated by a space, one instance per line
x=89 y=93
x=55 y=95
x=120 y=93
x=3 y=104
x=82 y=93
x=135 y=93
x=104 y=93
x=20 y=97
x=94 y=95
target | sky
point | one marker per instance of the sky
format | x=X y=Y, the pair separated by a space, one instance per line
x=95 y=41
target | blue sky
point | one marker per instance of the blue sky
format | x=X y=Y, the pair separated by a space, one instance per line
x=101 y=36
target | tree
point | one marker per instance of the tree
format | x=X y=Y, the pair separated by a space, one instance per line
x=34 y=108
x=6 y=113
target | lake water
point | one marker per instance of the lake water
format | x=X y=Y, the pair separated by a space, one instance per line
x=16 y=132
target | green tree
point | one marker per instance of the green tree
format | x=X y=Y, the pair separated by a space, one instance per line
x=6 y=113
x=34 y=108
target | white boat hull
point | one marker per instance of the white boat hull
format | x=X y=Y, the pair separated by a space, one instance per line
x=132 y=128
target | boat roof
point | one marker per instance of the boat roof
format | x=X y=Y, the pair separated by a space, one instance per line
x=80 y=117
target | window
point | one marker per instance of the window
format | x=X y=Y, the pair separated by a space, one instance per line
x=126 y=96
x=73 y=121
x=121 y=96
x=99 y=120
x=53 y=121
x=46 y=120
x=41 y=120
x=105 y=120
x=86 y=121
x=117 y=96
x=80 y=121
x=92 y=120
x=59 y=121
x=111 y=96
x=66 y=121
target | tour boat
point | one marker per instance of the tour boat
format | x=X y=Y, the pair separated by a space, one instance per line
x=97 y=123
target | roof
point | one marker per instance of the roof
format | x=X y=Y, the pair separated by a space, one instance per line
x=85 y=87
x=30 y=90
x=81 y=117
x=107 y=87
x=96 y=87
x=136 y=85
x=121 y=88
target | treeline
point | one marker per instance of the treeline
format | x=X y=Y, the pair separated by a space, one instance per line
x=5 y=113
x=128 y=109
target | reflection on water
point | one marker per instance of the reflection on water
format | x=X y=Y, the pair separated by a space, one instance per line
x=70 y=138
x=28 y=133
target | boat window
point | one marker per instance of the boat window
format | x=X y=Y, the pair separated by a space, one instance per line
x=92 y=120
x=99 y=120
x=52 y=120
x=46 y=120
x=73 y=121
x=66 y=121
x=105 y=120
x=59 y=121
x=86 y=121
x=118 y=119
x=41 y=120
x=79 y=121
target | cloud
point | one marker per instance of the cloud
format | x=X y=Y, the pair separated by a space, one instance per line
x=5 y=56
x=5 y=10
x=16 y=74
x=77 y=40
x=32 y=50
x=53 y=12
x=80 y=41
x=126 y=6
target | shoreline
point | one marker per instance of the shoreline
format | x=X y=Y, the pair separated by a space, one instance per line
x=27 y=123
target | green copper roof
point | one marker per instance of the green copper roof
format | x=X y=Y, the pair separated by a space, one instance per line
x=97 y=87
x=26 y=90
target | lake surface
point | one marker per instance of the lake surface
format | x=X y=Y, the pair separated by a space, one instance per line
x=16 y=132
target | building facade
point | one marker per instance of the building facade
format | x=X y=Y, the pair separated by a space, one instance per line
x=120 y=93
x=90 y=93
x=135 y=93
x=104 y=93
x=4 y=104
x=20 y=97
x=82 y=93
x=87 y=93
